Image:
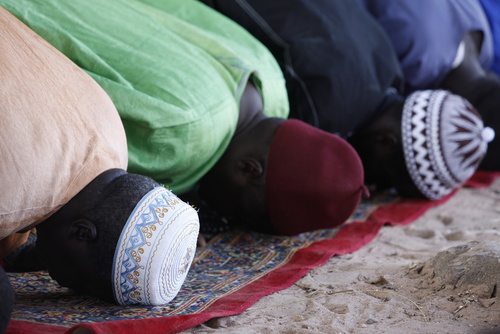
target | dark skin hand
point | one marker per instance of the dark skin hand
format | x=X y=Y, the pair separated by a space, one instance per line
x=202 y=242
x=461 y=79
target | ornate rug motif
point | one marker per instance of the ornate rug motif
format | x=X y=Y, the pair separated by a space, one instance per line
x=230 y=262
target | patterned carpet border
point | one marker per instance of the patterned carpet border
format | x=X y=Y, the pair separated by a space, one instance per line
x=228 y=276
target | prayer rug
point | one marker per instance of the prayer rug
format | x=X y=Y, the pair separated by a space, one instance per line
x=228 y=276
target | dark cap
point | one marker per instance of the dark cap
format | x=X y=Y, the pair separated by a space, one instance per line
x=314 y=179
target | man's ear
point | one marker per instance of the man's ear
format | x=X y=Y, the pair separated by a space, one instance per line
x=250 y=167
x=83 y=229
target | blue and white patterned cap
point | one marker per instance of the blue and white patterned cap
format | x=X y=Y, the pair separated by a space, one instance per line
x=444 y=141
x=155 y=250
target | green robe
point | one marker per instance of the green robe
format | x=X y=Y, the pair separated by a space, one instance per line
x=175 y=70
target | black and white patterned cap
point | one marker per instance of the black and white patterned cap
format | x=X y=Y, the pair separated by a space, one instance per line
x=444 y=141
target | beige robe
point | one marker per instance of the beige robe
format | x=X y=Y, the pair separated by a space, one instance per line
x=58 y=129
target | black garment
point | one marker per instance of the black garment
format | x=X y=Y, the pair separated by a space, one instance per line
x=6 y=300
x=338 y=63
x=24 y=258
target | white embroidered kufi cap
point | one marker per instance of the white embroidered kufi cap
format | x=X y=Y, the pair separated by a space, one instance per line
x=444 y=141
x=155 y=250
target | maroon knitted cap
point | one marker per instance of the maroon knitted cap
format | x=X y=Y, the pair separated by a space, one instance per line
x=314 y=179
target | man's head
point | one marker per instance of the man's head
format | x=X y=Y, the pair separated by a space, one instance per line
x=285 y=177
x=379 y=146
x=427 y=146
x=123 y=238
x=235 y=186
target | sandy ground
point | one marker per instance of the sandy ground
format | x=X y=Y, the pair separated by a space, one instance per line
x=396 y=284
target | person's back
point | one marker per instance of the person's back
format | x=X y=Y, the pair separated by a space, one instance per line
x=336 y=80
x=426 y=35
x=37 y=133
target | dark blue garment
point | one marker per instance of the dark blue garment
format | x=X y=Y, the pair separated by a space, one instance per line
x=426 y=35
x=339 y=65
x=492 y=11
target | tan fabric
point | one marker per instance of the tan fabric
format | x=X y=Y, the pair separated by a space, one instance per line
x=58 y=129
x=8 y=244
